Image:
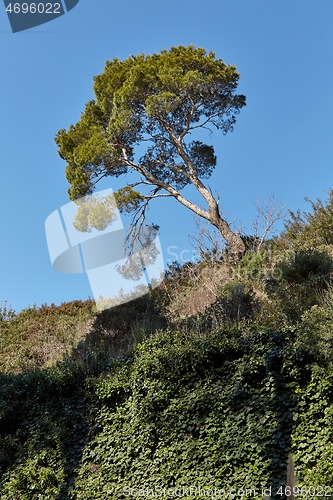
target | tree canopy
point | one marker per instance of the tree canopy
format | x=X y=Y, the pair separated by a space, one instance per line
x=142 y=118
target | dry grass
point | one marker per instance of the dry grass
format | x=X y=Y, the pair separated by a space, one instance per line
x=200 y=290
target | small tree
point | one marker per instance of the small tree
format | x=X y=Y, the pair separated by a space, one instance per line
x=311 y=229
x=267 y=215
x=146 y=108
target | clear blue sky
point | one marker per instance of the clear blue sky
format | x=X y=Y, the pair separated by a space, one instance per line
x=282 y=142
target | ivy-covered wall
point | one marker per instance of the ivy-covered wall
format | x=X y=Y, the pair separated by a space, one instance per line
x=221 y=409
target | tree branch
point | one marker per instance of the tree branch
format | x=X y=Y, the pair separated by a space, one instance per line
x=176 y=194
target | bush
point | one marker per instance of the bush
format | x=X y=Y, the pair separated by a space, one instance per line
x=218 y=409
x=313 y=229
x=296 y=284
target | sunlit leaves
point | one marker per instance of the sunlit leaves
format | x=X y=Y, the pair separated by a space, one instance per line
x=150 y=101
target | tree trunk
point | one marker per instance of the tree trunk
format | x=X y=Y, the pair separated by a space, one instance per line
x=291 y=477
x=237 y=246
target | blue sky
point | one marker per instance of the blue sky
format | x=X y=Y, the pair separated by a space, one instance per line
x=282 y=142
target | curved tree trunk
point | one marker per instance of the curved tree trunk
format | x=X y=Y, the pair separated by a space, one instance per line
x=213 y=215
x=237 y=246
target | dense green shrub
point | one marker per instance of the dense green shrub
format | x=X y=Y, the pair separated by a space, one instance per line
x=254 y=265
x=216 y=409
x=43 y=427
x=297 y=282
x=190 y=416
x=313 y=229
x=312 y=439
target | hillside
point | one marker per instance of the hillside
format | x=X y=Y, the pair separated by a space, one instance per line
x=204 y=385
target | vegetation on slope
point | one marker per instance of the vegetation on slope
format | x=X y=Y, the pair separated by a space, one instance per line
x=135 y=399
